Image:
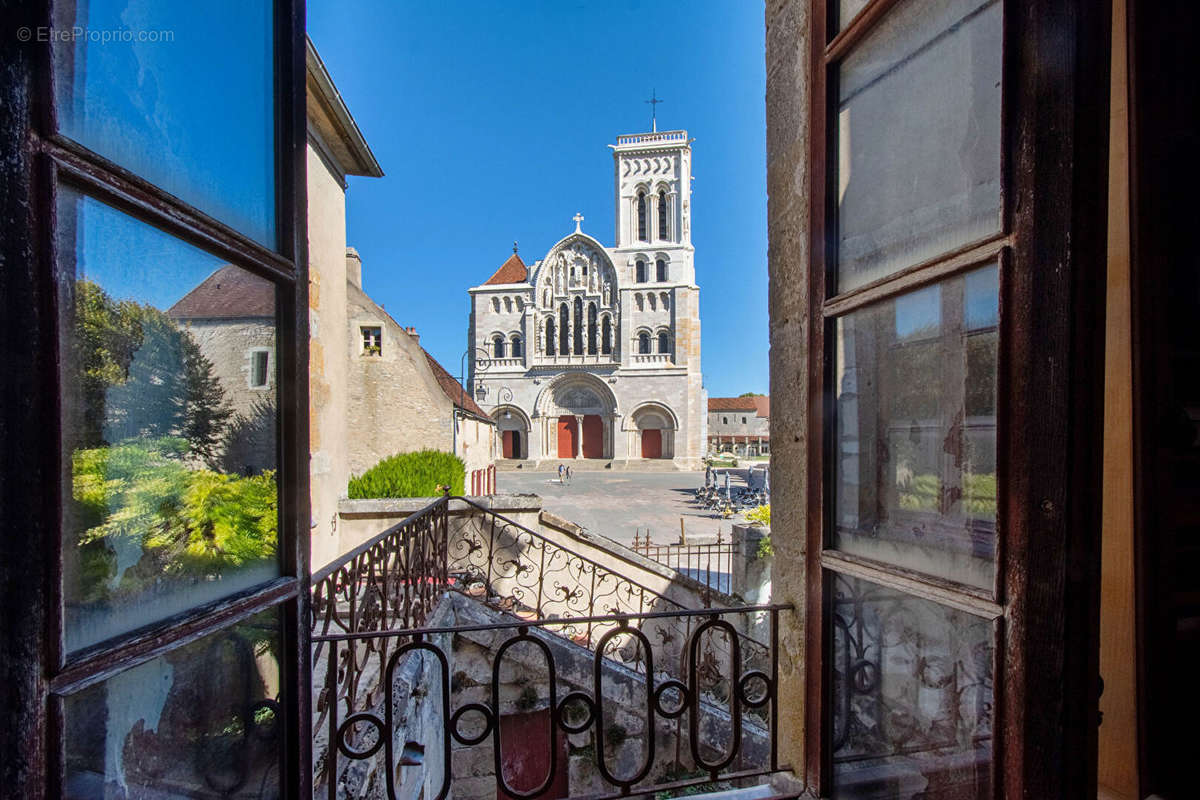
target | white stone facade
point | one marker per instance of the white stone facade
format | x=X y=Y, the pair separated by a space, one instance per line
x=594 y=351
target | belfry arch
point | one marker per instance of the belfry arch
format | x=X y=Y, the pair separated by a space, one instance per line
x=577 y=414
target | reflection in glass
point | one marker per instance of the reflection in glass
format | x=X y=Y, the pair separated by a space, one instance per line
x=918 y=137
x=203 y=721
x=846 y=11
x=171 y=444
x=181 y=94
x=912 y=697
x=916 y=448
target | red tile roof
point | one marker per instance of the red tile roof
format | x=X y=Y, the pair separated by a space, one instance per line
x=511 y=271
x=454 y=390
x=759 y=404
x=229 y=293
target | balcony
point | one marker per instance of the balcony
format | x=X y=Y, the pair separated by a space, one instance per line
x=576 y=360
x=462 y=651
x=652 y=138
x=652 y=360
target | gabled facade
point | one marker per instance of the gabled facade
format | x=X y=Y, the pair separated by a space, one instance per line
x=593 y=352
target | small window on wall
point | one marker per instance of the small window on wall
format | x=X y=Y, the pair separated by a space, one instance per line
x=260 y=369
x=743 y=420
x=516 y=347
x=724 y=420
x=643 y=343
x=640 y=277
x=498 y=347
x=664 y=345
x=661 y=269
x=372 y=340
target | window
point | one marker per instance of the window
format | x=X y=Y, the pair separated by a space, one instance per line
x=665 y=299
x=919 y=583
x=161 y=608
x=550 y=348
x=606 y=337
x=564 y=330
x=724 y=420
x=592 y=332
x=643 y=343
x=497 y=346
x=260 y=376
x=661 y=270
x=372 y=340
x=516 y=350
x=641 y=217
x=640 y=271
x=664 y=342
x=743 y=420
x=662 y=215
x=496 y=305
x=578 y=330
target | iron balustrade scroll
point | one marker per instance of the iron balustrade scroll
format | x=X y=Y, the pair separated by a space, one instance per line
x=667 y=700
x=710 y=563
x=388 y=586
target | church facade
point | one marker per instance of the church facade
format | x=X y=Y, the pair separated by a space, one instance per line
x=593 y=352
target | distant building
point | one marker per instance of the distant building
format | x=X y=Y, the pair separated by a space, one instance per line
x=593 y=352
x=739 y=425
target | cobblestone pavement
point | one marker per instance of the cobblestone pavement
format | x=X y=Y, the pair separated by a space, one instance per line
x=617 y=504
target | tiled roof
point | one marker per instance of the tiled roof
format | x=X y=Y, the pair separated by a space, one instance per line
x=511 y=271
x=763 y=405
x=454 y=389
x=732 y=404
x=229 y=293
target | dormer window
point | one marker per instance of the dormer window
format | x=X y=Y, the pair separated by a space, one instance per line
x=372 y=340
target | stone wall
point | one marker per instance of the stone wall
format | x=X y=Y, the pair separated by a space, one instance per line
x=787 y=100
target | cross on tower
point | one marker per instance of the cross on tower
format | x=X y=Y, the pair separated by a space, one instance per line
x=654 y=101
x=578 y=221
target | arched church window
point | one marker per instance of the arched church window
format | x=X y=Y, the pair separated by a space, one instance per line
x=606 y=337
x=508 y=305
x=550 y=336
x=591 y=333
x=641 y=217
x=496 y=304
x=643 y=343
x=516 y=350
x=664 y=342
x=498 y=346
x=653 y=301
x=578 y=337
x=640 y=270
x=666 y=301
x=637 y=301
x=662 y=215
x=564 y=330
x=661 y=268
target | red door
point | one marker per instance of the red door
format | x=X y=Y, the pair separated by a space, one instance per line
x=566 y=437
x=652 y=444
x=593 y=436
x=525 y=755
x=509 y=450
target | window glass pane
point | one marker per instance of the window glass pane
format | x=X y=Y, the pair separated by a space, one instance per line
x=181 y=94
x=847 y=9
x=203 y=721
x=912 y=697
x=915 y=482
x=171 y=446
x=918 y=137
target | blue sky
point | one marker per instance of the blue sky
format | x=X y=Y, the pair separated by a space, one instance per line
x=491 y=121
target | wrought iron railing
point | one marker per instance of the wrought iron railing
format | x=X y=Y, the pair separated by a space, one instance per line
x=710 y=563
x=711 y=713
x=370 y=605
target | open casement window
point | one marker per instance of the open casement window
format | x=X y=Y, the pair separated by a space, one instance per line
x=155 y=623
x=957 y=165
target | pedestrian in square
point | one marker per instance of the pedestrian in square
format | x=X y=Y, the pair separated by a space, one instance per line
x=560 y=474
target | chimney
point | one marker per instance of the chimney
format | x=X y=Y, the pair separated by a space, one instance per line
x=353 y=267
x=413 y=333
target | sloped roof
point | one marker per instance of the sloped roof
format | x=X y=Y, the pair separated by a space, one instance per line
x=229 y=293
x=760 y=405
x=511 y=271
x=454 y=389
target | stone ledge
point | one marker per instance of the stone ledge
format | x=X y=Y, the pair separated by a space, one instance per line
x=397 y=506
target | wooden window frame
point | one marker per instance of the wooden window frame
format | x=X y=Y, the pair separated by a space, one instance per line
x=36 y=669
x=1050 y=256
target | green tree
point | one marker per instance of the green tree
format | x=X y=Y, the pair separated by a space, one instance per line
x=751 y=394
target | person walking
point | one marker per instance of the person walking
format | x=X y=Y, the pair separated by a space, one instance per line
x=568 y=473
x=560 y=474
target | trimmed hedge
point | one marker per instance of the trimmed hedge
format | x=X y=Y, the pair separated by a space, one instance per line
x=416 y=474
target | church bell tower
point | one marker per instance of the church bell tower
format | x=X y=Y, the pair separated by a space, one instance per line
x=653 y=187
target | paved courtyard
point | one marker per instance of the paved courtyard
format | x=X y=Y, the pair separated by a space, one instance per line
x=617 y=504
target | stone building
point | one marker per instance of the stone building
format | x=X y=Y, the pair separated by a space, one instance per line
x=593 y=352
x=739 y=425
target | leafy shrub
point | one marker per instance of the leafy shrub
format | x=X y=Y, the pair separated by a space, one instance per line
x=416 y=474
x=760 y=516
x=139 y=496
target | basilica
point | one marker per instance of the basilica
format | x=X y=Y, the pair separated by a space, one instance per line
x=593 y=352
